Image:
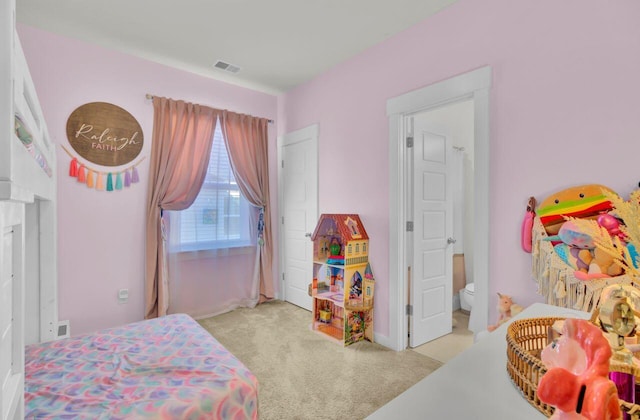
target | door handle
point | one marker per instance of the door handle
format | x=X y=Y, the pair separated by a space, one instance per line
x=308 y=234
x=451 y=241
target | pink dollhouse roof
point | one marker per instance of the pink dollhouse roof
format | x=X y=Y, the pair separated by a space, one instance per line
x=339 y=222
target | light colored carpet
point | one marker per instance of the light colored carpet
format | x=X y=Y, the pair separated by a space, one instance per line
x=302 y=375
x=449 y=346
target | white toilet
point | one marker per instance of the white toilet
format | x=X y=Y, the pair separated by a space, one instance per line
x=466 y=297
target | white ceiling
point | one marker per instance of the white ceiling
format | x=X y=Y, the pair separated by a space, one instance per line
x=278 y=44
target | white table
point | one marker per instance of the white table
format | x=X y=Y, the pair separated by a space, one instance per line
x=473 y=385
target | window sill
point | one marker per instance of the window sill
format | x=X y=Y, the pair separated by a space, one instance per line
x=214 y=253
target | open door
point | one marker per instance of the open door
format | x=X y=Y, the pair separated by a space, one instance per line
x=432 y=268
x=299 y=210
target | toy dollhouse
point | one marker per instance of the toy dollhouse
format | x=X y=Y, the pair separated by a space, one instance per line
x=343 y=283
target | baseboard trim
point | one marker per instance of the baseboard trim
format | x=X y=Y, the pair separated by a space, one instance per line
x=456 y=302
x=385 y=341
x=243 y=303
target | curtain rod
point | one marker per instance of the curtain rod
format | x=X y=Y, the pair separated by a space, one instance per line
x=150 y=96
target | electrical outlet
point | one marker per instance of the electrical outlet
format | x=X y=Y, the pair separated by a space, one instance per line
x=123 y=295
x=64 y=329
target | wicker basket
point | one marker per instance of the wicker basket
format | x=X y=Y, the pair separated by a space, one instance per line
x=525 y=340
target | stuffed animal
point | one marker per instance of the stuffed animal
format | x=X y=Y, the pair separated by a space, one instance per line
x=578 y=250
x=600 y=264
x=527 y=226
x=575 y=246
x=571 y=234
x=583 y=201
x=506 y=310
x=611 y=224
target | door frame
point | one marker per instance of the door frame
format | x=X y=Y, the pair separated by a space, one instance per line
x=311 y=132
x=473 y=85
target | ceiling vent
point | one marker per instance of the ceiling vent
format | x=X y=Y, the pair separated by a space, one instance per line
x=226 y=67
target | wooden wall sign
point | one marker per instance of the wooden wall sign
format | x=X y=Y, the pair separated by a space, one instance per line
x=104 y=134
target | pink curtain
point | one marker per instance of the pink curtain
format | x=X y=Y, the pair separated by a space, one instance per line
x=247 y=143
x=180 y=149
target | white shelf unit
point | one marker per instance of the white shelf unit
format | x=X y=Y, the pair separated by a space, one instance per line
x=28 y=267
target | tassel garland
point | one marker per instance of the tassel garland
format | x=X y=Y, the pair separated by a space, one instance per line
x=90 y=179
x=109 y=182
x=119 y=181
x=81 y=175
x=95 y=179
x=73 y=167
x=100 y=182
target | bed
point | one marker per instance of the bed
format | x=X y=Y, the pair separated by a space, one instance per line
x=167 y=367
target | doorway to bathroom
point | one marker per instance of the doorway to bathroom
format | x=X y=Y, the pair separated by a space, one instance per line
x=440 y=202
x=474 y=86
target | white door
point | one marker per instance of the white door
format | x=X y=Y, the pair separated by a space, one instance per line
x=299 y=210
x=432 y=271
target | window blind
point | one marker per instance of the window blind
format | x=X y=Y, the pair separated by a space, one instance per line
x=220 y=217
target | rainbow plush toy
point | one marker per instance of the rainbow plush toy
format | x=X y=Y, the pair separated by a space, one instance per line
x=584 y=201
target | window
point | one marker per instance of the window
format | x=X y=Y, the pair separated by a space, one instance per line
x=220 y=217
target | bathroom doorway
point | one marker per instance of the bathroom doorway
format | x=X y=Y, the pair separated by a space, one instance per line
x=442 y=145
x=474 y=85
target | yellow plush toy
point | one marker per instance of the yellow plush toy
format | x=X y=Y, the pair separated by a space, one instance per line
x=600 y=264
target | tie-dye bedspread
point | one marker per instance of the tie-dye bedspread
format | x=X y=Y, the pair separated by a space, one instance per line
x=164 y=368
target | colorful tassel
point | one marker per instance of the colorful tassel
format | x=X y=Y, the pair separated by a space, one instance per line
x=99 y=182
x=95 y=179
x=81 y=174
x=109 y=182
x=90 y=179
x=119 y=181
x=73 y=168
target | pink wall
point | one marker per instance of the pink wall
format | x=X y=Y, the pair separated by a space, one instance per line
x=101 y=235
x=564 y=111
